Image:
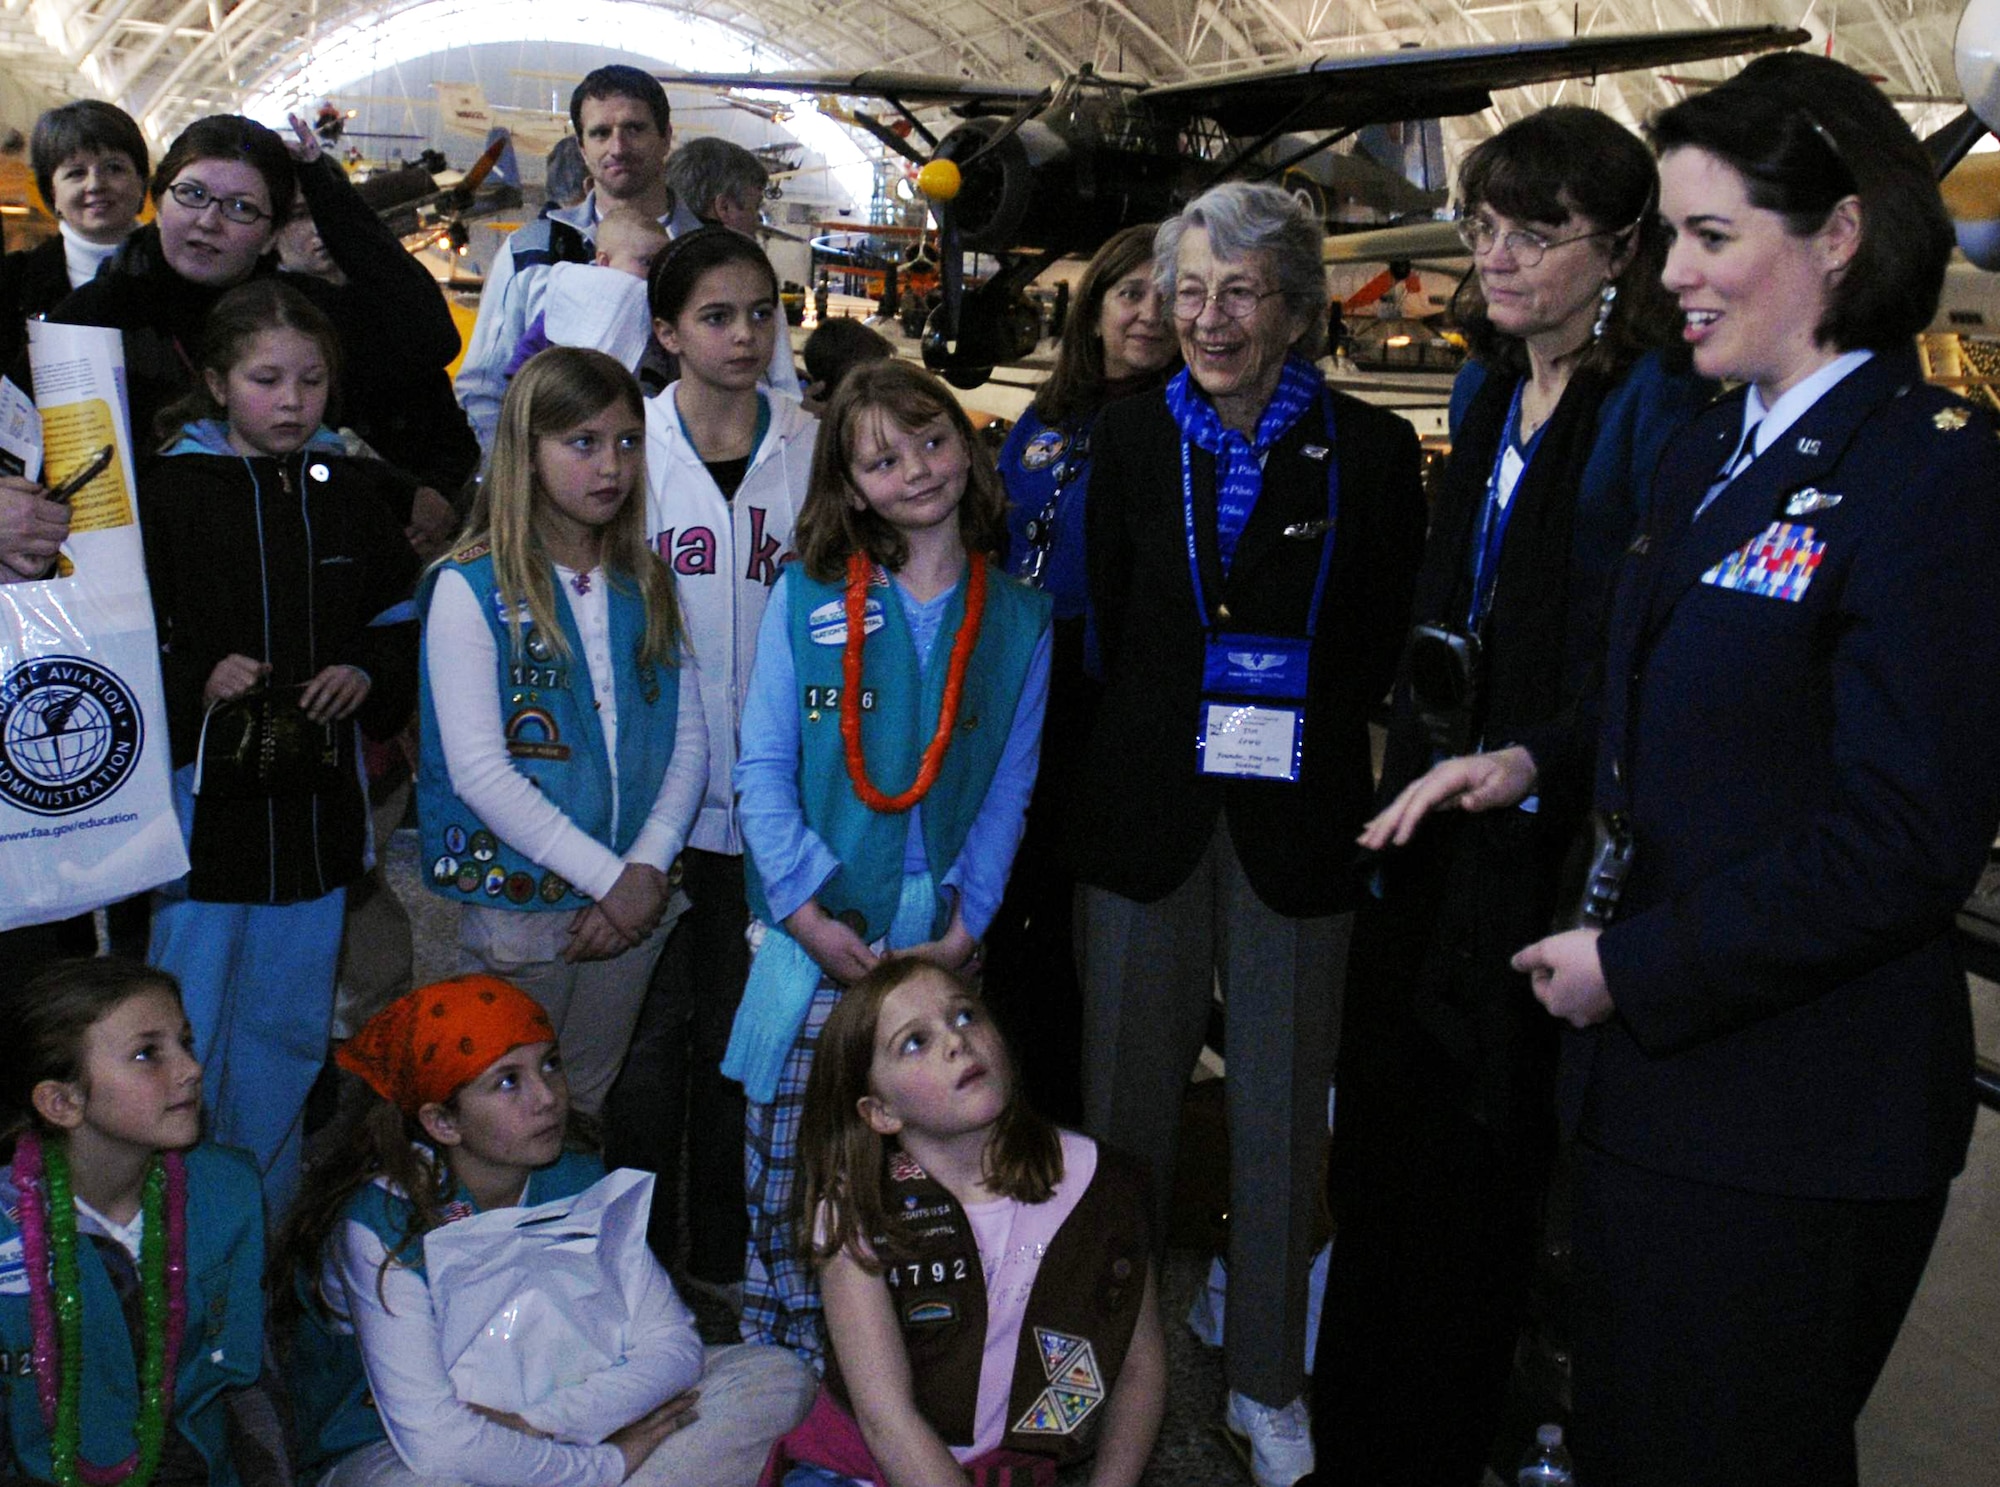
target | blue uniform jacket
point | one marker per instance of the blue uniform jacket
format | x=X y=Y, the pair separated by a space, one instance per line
x=222 y=1348
x=1813 y=783
x=1032 y=461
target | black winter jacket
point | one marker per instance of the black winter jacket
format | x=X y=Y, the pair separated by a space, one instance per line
x=296 y=562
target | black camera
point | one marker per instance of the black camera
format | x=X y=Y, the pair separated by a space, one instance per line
x=1442 y=664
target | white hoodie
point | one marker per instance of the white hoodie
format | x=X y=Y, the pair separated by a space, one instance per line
x=724 y=556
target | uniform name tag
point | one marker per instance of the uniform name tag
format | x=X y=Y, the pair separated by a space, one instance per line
x=1250 y=742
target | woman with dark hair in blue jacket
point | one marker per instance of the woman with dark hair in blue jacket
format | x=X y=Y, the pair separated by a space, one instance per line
x=1445 y=1125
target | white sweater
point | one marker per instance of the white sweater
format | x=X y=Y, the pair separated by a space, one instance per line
x=725 y=557
x=462 y=663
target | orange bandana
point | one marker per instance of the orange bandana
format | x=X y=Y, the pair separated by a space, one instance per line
x=421 y=1047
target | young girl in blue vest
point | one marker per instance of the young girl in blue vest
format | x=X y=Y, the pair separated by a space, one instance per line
x=473 y=1115
x=989 y=1295
x=563 y=752
x=889 y=746
x=130 y=1315
x=280 y=581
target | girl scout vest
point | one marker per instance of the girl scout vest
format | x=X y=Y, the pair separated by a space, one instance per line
x=336 y=1413
x=222 y=1348
x=1079 y=1322
x=554 y=738
x=899 y=713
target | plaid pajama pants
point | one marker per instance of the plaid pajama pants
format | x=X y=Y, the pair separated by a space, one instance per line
x=780 y=1292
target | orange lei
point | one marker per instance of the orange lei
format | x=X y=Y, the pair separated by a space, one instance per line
x=858 y=570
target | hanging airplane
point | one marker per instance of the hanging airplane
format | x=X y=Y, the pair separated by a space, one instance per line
x=412 y=200
x=1035 y=173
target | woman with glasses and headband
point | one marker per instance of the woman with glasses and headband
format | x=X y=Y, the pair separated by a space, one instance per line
x=1252 y=539
x=1768 y=1053
x=221 y=190
x=1118 y=340
x=1446 y=1130
x=224 y=188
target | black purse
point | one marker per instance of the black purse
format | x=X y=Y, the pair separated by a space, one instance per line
x=262 y=746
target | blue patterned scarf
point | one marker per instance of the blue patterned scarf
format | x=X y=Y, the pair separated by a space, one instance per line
x=1239 y=462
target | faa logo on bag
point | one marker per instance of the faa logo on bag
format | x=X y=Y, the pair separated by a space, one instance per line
x=70 y=733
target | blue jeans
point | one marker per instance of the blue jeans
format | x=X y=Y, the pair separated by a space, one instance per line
x=257 y=982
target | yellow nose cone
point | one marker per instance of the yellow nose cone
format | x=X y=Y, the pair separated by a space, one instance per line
x=939 y=180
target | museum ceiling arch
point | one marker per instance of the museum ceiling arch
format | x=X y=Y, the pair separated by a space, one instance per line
x=168 y=61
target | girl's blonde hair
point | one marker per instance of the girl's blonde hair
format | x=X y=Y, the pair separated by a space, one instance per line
x=830 y=526
x=843 y=1161
x=557 y=390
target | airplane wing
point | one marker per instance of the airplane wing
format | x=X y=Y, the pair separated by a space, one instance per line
x=1433 y=82
x=905 y=87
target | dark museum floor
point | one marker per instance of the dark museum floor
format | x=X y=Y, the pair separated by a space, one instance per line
x=1934 y=1420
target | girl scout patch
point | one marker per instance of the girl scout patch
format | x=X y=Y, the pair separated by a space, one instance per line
x=1076 y=1385
x=827 y=625
x=1044 y=450
x=1778 y=563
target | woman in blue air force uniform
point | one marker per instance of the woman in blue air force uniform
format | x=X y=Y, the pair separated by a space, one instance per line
x=1769 y=1070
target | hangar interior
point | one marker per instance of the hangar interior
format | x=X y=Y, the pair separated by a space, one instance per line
x=1936 y=1417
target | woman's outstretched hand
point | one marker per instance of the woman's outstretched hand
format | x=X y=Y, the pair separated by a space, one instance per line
x=1474 y=782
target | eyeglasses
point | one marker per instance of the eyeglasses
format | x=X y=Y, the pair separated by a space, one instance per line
x=197 y=198
x=1237 y=301
x=1524 y=247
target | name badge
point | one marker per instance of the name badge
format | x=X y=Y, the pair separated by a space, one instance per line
x=1248 y=742
x=1256 y=666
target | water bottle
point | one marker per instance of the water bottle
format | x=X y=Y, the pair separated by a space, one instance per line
x=1548 y=1464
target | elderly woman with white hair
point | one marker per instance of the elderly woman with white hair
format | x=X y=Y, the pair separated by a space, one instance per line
x=1252 y=543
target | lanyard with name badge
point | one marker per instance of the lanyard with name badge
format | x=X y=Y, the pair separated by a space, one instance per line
x=1253 y=687
x=1494 y=514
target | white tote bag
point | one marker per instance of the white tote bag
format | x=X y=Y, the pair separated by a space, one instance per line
x=533 y=1300
x=86 y=806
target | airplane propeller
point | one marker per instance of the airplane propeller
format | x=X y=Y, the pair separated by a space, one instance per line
x=941 y=178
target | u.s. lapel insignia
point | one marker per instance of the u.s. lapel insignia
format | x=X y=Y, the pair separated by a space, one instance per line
x=1807 y=500
x=1950 y=420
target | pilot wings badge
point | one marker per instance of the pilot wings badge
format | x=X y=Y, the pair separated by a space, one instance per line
x=1255 y=660
x=1806 y=501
